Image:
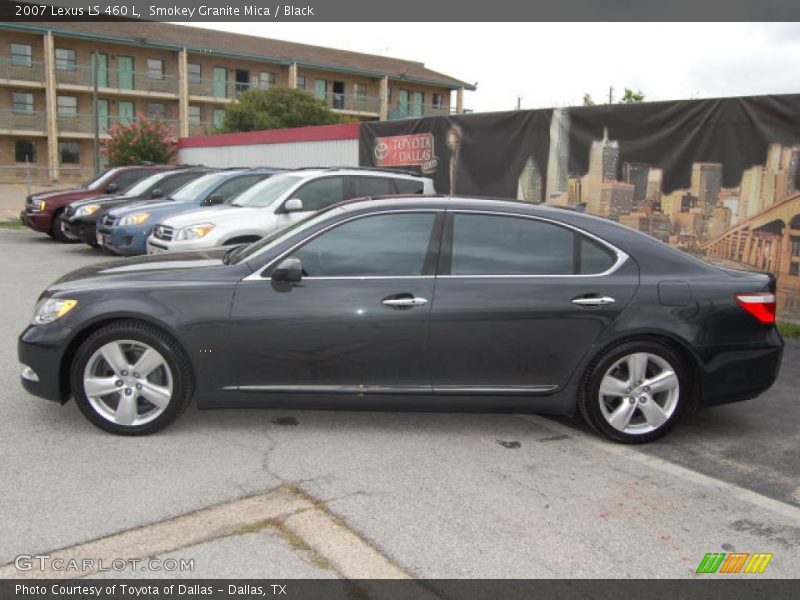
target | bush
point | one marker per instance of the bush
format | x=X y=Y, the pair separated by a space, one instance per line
x=277 y=108
x=144 y=140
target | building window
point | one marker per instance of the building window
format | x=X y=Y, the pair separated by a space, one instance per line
x=219 y=117
x=21 y=55
x=437 y=100
x=301 y=82
x=24 y=151
x=65 y=59
x=195 y=72
x=156 y=110
x=67 y=106
x=266 y=80
x=194 y=115
x=23 y=103
x=360 y=90
x=155 y=68
x=69 y=152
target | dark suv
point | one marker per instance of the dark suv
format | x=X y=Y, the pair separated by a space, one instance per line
x=45 y=212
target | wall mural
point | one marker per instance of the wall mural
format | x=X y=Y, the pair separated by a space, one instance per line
x=711 y=177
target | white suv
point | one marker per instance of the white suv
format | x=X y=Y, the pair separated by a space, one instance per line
x=276 y=203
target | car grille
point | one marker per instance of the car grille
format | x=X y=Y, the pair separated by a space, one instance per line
x=162 y=232
x=107 y=221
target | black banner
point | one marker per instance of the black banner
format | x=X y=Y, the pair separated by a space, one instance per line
x=718 y=177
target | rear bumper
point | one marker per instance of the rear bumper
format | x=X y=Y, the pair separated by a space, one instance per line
x=734 y=374
x=42 y=222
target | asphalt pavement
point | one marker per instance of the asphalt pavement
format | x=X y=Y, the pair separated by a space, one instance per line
x=428 y=495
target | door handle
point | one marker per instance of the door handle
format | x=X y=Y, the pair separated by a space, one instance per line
x=406 y=302
x=593 y=301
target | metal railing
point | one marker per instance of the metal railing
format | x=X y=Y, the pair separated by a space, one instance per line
x=204 y=128
x=210 y=88
x=27 y=121
x=410 y=111
x=117 y=79
x=34 y=72
x=352 y=102
x=84 y=123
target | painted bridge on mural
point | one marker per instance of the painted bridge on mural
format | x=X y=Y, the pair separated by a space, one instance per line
x=769 y=240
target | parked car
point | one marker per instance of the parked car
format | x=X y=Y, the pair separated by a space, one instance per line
x=82 y=216
x=420 y=303
x=277 y=203
x=44 y=212
x=124 y=230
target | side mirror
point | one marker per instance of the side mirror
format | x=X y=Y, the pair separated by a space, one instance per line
x=288 y=271
x=293 y=205
x=156 y=193
x=112 y=188
x=214 y=199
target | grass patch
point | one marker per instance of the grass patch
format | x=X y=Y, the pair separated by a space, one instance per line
x=17 y=224
x=789 y=330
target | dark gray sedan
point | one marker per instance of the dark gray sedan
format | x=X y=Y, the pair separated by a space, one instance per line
x=411 y=303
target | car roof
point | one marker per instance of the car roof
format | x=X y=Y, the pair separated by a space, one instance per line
x=362 y=171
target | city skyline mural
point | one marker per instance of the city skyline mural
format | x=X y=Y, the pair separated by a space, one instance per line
x=717 y=178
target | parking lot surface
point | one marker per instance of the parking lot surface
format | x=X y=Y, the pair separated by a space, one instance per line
x=420 y=495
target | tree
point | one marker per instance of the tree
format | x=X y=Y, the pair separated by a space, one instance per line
x=277 y=108
x=631 y=97
x=143 y=140
x=587 y=100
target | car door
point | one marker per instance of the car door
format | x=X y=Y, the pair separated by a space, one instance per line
x=519 y=301
x=356 y=322
x=315 y=195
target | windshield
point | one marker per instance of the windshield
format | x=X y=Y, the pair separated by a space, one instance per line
x=194 y=188
x=268 y=191
x=145 y=184
x=100 y=180
x=277 y=237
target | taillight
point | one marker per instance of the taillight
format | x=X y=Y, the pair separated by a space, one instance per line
x=761 y=306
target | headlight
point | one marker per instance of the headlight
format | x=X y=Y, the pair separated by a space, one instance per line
x=194 y=232
x=50 y=309
x=42 y=205
x=134 y=219
x=85 y=211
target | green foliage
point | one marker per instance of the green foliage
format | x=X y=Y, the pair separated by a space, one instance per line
x=789 y=330
x=631 y=97
x=143 y=140
x=587 y=100
x=277 y=108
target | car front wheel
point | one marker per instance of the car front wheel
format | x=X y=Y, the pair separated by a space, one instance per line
x=636 y=392
x=130 y=378
x=59 y=230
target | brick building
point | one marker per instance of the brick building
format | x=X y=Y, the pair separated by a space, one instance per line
x=186 y=76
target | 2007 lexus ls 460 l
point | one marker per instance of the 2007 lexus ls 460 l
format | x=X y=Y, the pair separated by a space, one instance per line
x=411 y=303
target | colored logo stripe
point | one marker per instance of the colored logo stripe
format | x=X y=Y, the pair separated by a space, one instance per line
x=758 y=563
x=721 y=562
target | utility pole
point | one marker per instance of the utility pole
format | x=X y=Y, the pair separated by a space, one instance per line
x=611 y=94
x=95 y=111
x=519 y=102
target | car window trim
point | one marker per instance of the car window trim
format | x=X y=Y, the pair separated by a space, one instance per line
x=436 y=232
x=446 y=252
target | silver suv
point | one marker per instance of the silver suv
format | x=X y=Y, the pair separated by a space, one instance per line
x=276 y=203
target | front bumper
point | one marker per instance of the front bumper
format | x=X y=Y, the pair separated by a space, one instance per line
x=127 y=241
x=85 y=231
x=157 y=246
x=41 y=349
x=42 y=222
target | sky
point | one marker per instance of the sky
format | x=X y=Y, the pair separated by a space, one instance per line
x=555 y=64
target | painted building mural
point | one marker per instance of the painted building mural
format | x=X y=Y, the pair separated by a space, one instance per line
x=711 y=177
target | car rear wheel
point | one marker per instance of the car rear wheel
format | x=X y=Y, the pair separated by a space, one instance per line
x=59 y=231
x=635 y=392
x=130 y=378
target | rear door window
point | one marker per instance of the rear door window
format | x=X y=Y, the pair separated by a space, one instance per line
x=372 y=186
x=320 y=193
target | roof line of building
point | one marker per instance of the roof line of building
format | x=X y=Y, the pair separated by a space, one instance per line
x=246 y=56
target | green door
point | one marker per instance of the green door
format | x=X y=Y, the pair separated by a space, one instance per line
x=320 y=88
x=416 y=107
x=102 y=70
x=125 y=72
x=219 y=117
x=402 y=103
x=125 y=112
x=102 y=115
x=220 y=82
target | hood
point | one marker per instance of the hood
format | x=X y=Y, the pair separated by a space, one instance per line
x=46 y=195
x=213 y=214
x=91 y=200
x=64 y=196
x=149 y=205
x=139 y=269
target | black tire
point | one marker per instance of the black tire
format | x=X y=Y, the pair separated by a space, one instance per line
x=57 y=233
x=175 y=358
x=589 y=400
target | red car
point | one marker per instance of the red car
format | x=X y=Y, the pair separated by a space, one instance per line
x=45 y=211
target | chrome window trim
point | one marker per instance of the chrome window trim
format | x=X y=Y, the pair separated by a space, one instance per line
x=622 y=257
x=256 y=275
